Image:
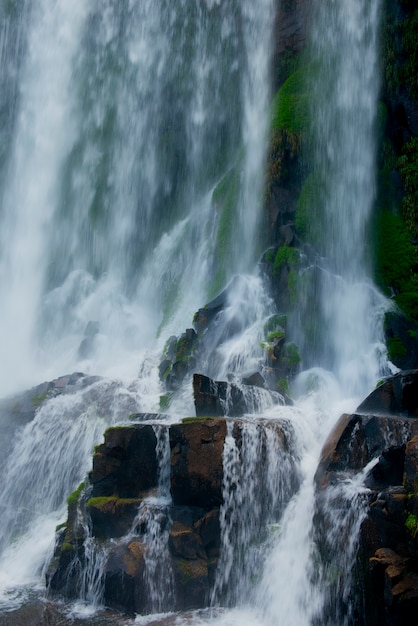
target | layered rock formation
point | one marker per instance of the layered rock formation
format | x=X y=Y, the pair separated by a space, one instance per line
x=381 y=441
x=125 y=510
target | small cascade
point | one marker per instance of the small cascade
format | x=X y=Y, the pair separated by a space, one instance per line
x=153 y=523
x=341 y=509
x=254 y=499
x=89 y=584
x=341 y=314
x=131 y=178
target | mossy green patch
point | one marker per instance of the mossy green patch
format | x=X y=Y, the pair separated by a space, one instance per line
x=39 y=398
x=412 y=525
x=396 y=348
x=290 y=356
x=165 y=401
x=191 y=420
x=225 y=200
x=276 y=335
x=408 y=169
x=396 y=261
x=283 y=386
x=285 y=256
x=408 y=71
x=309 y=211
x=74 y=496
x=291 y=104
x=275 y=322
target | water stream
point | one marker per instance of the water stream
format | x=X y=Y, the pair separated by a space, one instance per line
x=133 y=145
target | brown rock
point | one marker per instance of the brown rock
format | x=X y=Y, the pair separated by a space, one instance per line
x=125 y=466
x=196 y=462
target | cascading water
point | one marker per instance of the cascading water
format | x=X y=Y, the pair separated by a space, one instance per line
x=127 y=116
x=346 y=311
x=131 y=177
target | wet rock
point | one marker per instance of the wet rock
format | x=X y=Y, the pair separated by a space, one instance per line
x=125 y=465
x=388 y=540
x=196 y=462
x=218 y=398
x=395 y=396
x=112 y=517
x=124 y=588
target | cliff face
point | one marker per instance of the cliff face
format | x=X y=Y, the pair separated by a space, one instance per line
x=381 y=436
x=292 y=222
x=165 y=553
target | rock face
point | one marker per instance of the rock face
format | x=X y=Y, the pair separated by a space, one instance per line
x=383 y=433
x=124 y=508
x=219 y=398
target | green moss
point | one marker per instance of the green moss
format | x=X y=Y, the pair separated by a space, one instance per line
x=67 y=547
x=171 y=300
x=39 y=398
x=224 y=199
x=396 y=348
x=293 y=286
x=396 y=255
x=283 y=386
x=285 y=256
x=165 y=401
x=102 y=501
x=276 y=335
x=309 y=214
x=412 y=525
x=408 y=71
x=275 y=322
x=191 y=420
x=99 y=502
x=290 y=356
x=408 y=302
x=408 y=169
x=74 y=496
x=60 y=527
x=291 y=104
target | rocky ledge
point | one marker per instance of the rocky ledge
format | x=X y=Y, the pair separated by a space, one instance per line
x=380 y=440
x=121 y=504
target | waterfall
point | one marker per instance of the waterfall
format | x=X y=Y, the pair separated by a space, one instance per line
x=345 y=314
x=132 y=158
x=132 y=181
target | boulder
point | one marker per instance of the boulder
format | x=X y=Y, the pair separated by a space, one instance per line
x=395 y=396
x=218 y=398
x=120 y=512
x=196 y=462
x=383 y=433
x=125 y=465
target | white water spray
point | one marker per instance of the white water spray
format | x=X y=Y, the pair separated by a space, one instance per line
x=129 y=116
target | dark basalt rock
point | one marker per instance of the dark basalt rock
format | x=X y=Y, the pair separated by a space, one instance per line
x=125 y=465
x=124 y=473
x=385 y=429
x=396 y=396
x=196 y=462
x=218 y=398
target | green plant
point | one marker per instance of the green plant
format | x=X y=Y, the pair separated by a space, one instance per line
x=412 y=525
x=285 y=256
x=308 y=215
x=276 y=335
x=396 y=255
x=39 y=398
x=290 y=107
x=396 y=348
x=165 y=402
x=283 y=386
x=290 y=356
x=74 y=496
x=224 y=199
